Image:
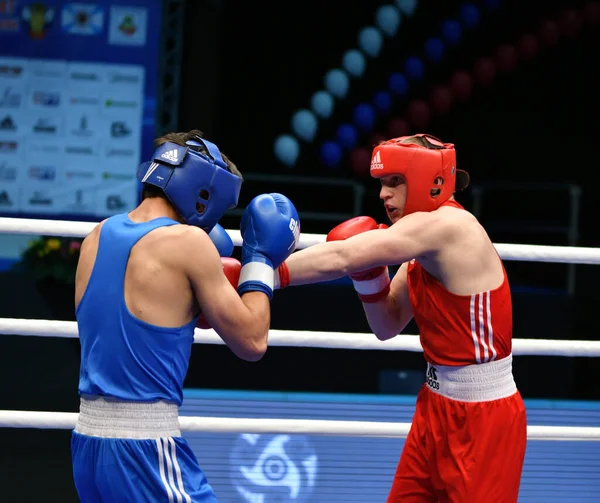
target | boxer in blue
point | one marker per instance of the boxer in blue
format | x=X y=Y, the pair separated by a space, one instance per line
x=143 y=279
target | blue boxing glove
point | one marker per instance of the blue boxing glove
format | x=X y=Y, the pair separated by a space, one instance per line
x=222 y=241
x=270 y=231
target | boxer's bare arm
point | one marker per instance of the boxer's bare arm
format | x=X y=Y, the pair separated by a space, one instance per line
x=413 y=236
x=242 y=322
x=388 y=317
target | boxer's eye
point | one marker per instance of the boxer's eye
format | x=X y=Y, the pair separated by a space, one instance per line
x=392 y=181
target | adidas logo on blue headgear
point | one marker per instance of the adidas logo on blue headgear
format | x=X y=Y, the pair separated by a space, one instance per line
x=199 y=186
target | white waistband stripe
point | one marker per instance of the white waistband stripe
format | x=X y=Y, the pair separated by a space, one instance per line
x=473 y=383
x=99 y=417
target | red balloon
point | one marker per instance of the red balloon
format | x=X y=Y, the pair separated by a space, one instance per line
x=570 y=23
x=485 y=71
x=591 y=13
x=549 y=32
x=528 y=46
x=398 y=127
x=506 y=58
x=441 y=99
x=462 y=85
x=418 y=114
x=360 y=161
x=376 y=139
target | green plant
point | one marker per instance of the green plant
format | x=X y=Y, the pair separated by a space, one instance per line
x=49 y=257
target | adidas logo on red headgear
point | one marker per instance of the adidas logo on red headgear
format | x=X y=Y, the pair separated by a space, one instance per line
x=376 y=161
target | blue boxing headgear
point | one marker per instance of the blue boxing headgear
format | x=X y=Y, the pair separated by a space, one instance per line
x=199 y=186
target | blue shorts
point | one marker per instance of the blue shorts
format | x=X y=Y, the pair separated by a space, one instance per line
x=122 y=470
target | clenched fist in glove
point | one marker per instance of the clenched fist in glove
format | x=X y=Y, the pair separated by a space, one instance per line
x=270 y=230
x=372 y=285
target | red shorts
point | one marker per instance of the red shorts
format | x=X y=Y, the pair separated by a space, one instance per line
x=462 y=452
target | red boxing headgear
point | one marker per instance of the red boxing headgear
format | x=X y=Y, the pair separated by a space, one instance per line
x=430 y=172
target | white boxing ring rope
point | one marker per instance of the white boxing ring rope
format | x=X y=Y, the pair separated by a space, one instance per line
x=328 y=340
x=523 y=253
x=290 y=338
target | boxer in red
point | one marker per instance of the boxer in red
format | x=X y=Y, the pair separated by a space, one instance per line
x=468 y=436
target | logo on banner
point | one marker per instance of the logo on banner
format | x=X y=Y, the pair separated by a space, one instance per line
x=120 y=129
x=81 y=202
x=45 y=125
x=8 y=8
x=120 y=104
x=84 y=100
x=117 y=176
x=38 y=17
x=10 y=99
x=5 y=200
x=8 y=147
x=79 y=150
x=120 y=152
x=79 y=175
x=8 y=124
x=83 y=127
x=114 y=202
x=85 y=76
x=10 y=71
x=43 y=148
x=46 y=99
x=128 y=26
x=82 y=19
x=8 y=173
x=118 y=77
x=39 y=198
x=42 y=173
x=272 y=468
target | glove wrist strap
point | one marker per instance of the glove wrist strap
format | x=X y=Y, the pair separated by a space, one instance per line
x=256 y=274
x=373 y=290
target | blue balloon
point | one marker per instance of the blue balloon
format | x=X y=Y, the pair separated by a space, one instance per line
x=331 y=154
x=407 y=6
x=370 y=41
x=347 y=136
x=287 y=149
x=354 y=62
x=388 y=19
x=451 y=31
x=322 y=104
x=382 y=101
x=434 y=49
x=398 y=84
x=364 y=117
x=414 y=67
x=470 y=16
x=336 y=82
x=304 y=124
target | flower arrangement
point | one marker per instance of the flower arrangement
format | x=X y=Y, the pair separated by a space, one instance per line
x=50 y=257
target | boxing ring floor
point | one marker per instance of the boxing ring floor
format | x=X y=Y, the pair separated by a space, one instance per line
x=256 y=439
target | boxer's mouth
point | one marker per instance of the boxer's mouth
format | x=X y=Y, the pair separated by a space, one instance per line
x=391 y=211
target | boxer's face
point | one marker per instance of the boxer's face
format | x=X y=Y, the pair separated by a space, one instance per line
x=393 y=195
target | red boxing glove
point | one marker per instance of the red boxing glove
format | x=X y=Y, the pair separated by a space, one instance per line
x=231 y=268
x=372 y=285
